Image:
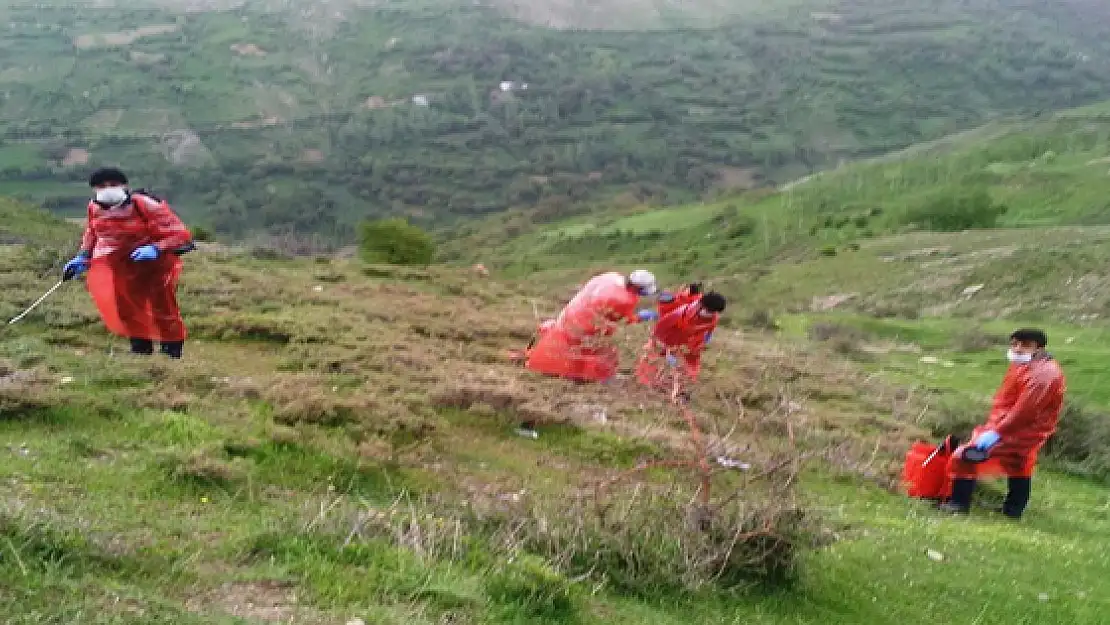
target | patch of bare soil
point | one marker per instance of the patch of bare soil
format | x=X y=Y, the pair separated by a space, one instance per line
x=75 y=156
x=737 y=178
x=247 y=49
x=269 y=600
x=312 y=156
x=124 y=38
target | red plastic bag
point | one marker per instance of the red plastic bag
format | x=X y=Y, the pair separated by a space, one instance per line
x=925 y=474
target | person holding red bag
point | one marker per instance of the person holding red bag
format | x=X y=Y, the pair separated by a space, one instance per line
x=1024 y=414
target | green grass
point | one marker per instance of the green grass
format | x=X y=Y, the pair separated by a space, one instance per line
x=970 y=357
x=213 y=490
x=173 y=541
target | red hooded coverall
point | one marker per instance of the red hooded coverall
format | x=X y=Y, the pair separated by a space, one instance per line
x=682 y=333
x=577 y=345
x=668 y=302
x=1025 y=412
x=136 y=299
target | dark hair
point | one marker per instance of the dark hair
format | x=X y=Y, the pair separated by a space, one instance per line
x=105 y=175
x=713 y=302
x=694 y=288
x=1030 y=335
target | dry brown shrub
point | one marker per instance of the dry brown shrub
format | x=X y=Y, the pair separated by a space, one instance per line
x=480 y=400
x=308 y=399
x=26 y=392
x=204 y=468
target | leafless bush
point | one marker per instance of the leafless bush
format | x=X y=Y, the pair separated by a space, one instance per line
x=649 y=540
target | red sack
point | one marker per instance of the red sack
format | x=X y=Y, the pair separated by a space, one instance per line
x=925 y=475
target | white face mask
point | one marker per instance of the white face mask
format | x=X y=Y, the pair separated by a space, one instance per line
x=111 y=196
x=1019 y=359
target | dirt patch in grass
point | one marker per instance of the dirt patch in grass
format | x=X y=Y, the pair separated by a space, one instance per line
x=247 y=49
x=75 y=156
x=272 y=601
x=124 y=38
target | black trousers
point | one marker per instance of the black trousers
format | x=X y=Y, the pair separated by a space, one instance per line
x=145 y=347
x=1017 y=498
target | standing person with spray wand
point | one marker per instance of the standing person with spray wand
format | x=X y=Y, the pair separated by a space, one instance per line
x=130 y=249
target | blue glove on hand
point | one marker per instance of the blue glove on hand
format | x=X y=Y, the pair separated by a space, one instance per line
x=75 y=267
x=671 y=360
x=708 y=335
x=987 y=440
x=146 y=252
x=647 y=315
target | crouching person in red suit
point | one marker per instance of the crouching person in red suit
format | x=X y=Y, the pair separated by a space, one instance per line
x=677 y=343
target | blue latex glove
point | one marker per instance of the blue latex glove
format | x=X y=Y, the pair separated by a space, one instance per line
x=76 y=267
x=708 y=335
x=146 y=252
x=647 y=315
x=987 y=440
x=671 y=360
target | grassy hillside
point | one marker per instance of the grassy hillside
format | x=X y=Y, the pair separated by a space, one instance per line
x=876 y=234
x=246 y=118
x=338 y=445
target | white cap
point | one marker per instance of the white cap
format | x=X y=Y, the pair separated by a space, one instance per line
x=643 y=279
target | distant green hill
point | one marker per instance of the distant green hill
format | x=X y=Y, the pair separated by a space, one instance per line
x=904 y=234
x=303 y=119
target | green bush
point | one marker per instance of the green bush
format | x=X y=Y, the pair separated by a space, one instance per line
x=395 y=242
x=958 y=211
x=530 y=584
x=1081 y=443
x=201 y=234
x=740 y=226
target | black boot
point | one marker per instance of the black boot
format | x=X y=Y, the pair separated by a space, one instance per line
x=1018 y=497
x=142 y=347
x=173 y=349
x=960 y=502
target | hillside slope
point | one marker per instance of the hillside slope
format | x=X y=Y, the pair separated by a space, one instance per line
x=876 y=231
x=306 y=462
x=244 y=117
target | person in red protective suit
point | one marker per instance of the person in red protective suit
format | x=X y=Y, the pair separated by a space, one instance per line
x=669 y=301
x=1024 y=414
x=678 y=340
x=577 y=346
x=131 y=249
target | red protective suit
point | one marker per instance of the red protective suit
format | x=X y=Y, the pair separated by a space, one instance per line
x=668 y=301
x=577 y=345
x=1025 y=412
x=136 y=299
x=682 y=333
